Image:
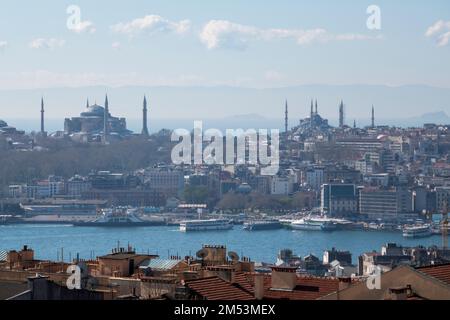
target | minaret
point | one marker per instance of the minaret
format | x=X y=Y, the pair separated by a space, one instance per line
x=105 y=120
x=42 y=116
x=312 y=109
x=354 y=124
x=144 y=118
x=286 y=119
x=341 y=114
x=317 y=112
x=87 y=103
x=373 y=116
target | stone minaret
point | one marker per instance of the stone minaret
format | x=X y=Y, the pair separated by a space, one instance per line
x=286 y=118
x=144 y=118
x=105 y=120
x=42 y=116
x=373 y=116
x=341 y=114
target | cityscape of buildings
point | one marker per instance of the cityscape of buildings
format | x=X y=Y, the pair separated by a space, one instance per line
x=376 y=179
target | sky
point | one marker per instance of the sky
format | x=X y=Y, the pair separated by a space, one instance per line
x=249 y=44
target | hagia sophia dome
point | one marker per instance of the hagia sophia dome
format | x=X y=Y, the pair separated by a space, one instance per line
x=94 y=111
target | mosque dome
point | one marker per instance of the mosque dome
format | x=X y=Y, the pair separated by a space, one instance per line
x=3 y=124
x=94 y=111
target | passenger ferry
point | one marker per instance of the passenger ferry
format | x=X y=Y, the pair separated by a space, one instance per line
x=206 y=225
x=262 y=225
x=417 y=231
x=119 y=217
x=314 y=224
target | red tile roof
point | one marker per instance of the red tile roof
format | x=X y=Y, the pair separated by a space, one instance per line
x=214 y=288
x=440 y=272
x=308 y=288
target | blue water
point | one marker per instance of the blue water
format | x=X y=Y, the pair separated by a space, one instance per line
x=46 y=240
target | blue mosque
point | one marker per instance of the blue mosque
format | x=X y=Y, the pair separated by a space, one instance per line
x=314 y=123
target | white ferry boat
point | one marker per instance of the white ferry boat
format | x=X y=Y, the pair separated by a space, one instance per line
x=205 y=225
x=119 y=217
x=314 y=224
x=417 y=231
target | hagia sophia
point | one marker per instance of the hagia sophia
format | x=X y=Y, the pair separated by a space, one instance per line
x=96 y=124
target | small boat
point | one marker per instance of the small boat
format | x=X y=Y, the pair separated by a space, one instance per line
x=258 y=225
x=417 y=231
x=6 y=219
x=314 y=224
x=119 y=217
x=206 y=225
x=374 y=226
x=437 y=228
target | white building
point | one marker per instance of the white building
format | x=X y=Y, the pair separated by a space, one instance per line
x=77 y=185
x=315 y=177
x=281 y=186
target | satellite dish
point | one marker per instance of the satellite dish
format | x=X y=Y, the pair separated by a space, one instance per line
x=233 y=256
x=201 y=254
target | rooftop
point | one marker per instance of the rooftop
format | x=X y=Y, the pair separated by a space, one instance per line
x=160 y=264
x=440 y=272
x=308 y=288
x=214 y=288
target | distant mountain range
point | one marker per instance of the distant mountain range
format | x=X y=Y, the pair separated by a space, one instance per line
x=222 y=106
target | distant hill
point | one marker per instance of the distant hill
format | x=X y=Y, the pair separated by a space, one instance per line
x=436 y=117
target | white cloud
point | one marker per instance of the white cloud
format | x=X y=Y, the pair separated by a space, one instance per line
x=151 y=24
x=3 y=45
x=444 y=39
x=116 y=45
x=441 y=30
x=226 y=34
x=38 y=79
x=42 y=43
x=273 y=75
x=84 y=27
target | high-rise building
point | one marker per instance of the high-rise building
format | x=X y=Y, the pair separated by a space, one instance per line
x=385 y=203
x=339 y=199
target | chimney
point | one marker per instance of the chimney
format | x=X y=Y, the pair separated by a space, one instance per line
x=284 y=278
x=399 y=293
x=232 y=276
x=344 y=283
x=259 y=286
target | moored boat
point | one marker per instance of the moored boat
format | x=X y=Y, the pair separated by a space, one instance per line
x=119 y=217
x=314 y=224
x=262 y=225
x=206 y=225
x=417 y=231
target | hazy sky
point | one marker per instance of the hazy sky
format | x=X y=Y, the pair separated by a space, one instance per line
x=255 y=44
x=239 y=43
